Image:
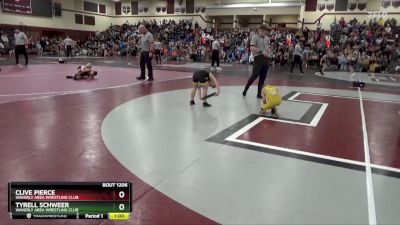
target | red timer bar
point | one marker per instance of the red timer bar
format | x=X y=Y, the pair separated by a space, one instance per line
x=100 y=200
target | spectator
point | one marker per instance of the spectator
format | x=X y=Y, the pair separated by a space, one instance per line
x=2 y=49
x=5 y=41
x=158 y=48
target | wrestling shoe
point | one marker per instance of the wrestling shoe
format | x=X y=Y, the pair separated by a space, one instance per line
x=274 y=113
x=205 y=104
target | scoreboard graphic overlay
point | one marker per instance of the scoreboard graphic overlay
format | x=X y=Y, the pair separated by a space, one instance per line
x=66 y=200
x=19 y=6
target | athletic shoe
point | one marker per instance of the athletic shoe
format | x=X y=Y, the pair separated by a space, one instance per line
x=150 y=79
x=140 y=78
x=275 y=114
x=205 y=104
x=219 y=68
x=192 y=102
x=244 y=93
x=301 y=74
x=259 y=96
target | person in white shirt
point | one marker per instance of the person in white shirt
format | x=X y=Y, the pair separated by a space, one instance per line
x=215 y=53
x=5 y=41
x=298 y=52
x=319 y=25
x=388 y=29
x=1 y=48
x=157 y=47
x=68 y=43
x=20 y=41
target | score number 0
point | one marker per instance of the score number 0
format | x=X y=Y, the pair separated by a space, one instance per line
x=121 y=194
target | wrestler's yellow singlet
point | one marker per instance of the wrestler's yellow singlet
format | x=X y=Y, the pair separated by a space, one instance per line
x=273 y=97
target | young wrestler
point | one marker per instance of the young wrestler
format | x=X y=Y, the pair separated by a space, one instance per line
x=201 y=80
x=84 y=72
x=270 y=100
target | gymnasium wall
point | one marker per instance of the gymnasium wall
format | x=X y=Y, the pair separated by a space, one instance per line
x=255 y=1
x=278 y=14
x=252 y=11
x=66 y=21
x=289 y=20
x=153 y=14
x=224 y=22
x=102 y=21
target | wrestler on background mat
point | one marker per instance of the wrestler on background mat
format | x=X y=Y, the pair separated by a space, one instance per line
x=84 y=72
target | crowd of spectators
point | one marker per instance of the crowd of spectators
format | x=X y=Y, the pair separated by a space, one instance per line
x=40 y=46
x=350 y=45
x=365 y=46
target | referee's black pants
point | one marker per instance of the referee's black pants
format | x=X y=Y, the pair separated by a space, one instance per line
x=297 y=60
x=69 y=50
x=215 y=57
x=145 y=59
x=260 y=69
x=20 y=49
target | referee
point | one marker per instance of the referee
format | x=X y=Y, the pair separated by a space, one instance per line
x=146 y=54
x=68 y=43
x=215 y=53
x=259 y=46
x=20 y=41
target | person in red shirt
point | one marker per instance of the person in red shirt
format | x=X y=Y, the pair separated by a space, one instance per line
x=328 y=41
